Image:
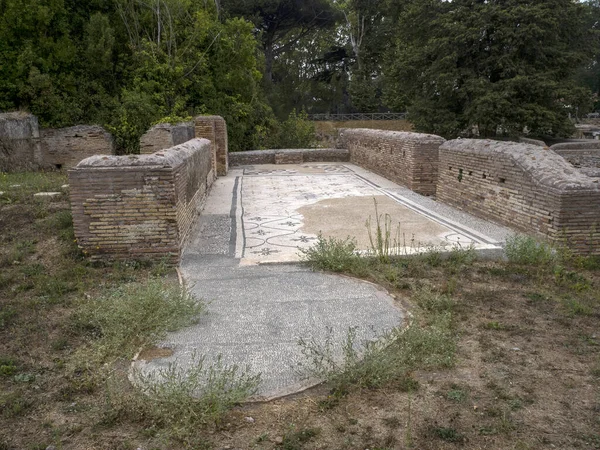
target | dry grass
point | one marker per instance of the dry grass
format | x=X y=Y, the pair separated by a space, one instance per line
x=525 y=370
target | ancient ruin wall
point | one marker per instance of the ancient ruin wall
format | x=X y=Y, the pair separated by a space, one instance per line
x=19 y=142
x=584 y=155
x=523 y=186
x=66 y=147
x=214 y=129
x=165 y=135
x=140 y=207
x=409 y=159
x=289 y=156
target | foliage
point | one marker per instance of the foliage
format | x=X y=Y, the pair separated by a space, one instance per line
x=125 y=64
x=179 y=401
x=521 y=249
x=296 y=132
x=423 y=345
x=132 y=316
x=502 y=68
x=335 y=255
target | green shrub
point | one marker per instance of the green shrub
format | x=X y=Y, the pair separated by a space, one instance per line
x=389 y=359
x=178 y=401
x=335 y=255
x=521 y=249
x=296 y=132
x=134 y=315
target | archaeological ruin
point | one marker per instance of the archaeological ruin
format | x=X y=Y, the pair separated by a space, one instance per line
x=144 y=206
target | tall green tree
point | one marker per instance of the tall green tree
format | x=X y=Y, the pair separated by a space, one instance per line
x=282 y=23
x=489 y=67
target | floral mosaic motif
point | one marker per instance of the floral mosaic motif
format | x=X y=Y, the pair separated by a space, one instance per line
x=266 y=251
x=304 y=239
x=289 y=223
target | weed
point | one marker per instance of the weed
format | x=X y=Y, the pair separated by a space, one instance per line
x=432 y=301
x=447 y=434
x=456 y=394
x=576 y=307
x=389 y=359
x=14 y=404
x=536 y=297
x=177 y=400
x=7 y=316
x=332 y=254
x=132 y=316
x=297 y=439
x=521 y=249
x=382 y=245
x=496 y=326
x=7 y=369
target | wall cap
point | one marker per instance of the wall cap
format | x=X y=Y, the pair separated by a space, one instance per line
x=170 y=158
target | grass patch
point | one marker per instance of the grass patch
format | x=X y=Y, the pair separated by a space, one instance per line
x=297 y=439
x=177 y=401
x=525 y=250
x=333 y=255
x=447 y=434
x=426 y=344
x=134 y=315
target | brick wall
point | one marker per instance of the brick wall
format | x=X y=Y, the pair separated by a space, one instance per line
x=582 y=155
x=165 y=135
x=139 y=206
x=66 y=147
x=290 y=156
x=214 y=129
x=409 y=159
x=19 y=142
x=527 y=187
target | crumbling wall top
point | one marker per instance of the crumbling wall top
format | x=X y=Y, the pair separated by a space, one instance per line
x=170 y=158
x=545 y=167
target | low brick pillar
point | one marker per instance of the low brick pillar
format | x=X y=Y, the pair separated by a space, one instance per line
x=66 y=147
x=214 y=128
x=409 y=159
x=139 y=206
x=165 y=135
x=526 y=187
x=19 y=142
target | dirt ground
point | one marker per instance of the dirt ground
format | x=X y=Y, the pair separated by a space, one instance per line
x=527 y=374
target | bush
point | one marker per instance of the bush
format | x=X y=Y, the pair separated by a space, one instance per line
x=526 y=250
x=134 y=315
x=335 y=255
x=389 y=359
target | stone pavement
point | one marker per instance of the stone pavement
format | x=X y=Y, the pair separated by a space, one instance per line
x=258 y=311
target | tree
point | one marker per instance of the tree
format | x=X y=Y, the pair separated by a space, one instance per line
x=488 y=67
x=282 y=23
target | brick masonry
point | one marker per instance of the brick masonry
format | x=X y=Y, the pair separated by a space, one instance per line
x=584 y=155
x=409 y=159
x=289 y=156
x=24 y=146
x=214 y=129
x=140 y=206
x=527 y=187
x=66 y=147
x=164 y=136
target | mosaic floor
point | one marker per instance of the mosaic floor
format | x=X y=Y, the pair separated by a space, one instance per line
x=284 y=208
